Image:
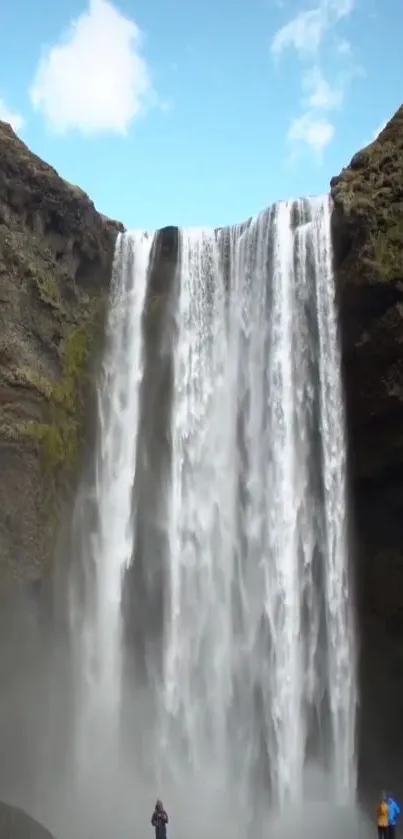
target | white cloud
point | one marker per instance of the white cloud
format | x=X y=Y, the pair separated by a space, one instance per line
x=7 y=115
x=307 y=34
x=95 y=79
x=310 y=131
x=304 y=33
x=319 y=93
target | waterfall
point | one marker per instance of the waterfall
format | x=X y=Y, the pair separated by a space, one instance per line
x=107 y=548
x=259 y=677
x=239 y=538
x=341 y=649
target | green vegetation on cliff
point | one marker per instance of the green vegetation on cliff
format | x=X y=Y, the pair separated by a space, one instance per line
x=367 y=226
x=57 y=432
x=56 y=255
x=369 y=194
x=60 y=436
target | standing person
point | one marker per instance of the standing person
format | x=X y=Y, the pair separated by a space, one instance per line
x=383 y=817
x=159 y=820
x=393 y=815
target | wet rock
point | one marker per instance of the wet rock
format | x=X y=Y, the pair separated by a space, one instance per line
x=55 y=262
x=16 y=824
x=367 y=226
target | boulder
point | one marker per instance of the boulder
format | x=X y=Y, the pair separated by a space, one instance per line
x=16 y=824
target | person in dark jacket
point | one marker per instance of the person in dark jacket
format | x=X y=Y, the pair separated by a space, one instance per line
x=159 y=820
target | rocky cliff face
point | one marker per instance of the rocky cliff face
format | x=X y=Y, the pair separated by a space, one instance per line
x=368 y=246
x=15 y=824
x=55 y=261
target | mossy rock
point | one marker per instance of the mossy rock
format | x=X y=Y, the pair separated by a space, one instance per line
x=48 y=291
x=56 y=256
x=59 y=438
x=387 y=250
x=368 y=217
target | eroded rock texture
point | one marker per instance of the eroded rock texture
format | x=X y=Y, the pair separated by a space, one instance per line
x=368 y=242
x=55 y=263
x=15 y=824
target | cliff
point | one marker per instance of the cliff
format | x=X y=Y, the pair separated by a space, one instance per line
x=55 y=262
x=367 y=231
x=15 y=824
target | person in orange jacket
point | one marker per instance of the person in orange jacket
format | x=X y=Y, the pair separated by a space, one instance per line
x=383 y=817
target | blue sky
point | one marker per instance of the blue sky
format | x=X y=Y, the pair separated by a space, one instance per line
x=189 y=113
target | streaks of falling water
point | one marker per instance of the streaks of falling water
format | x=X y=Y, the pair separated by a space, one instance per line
x=197 y=662
x=339 y=620
x=109 y=547
x=280 y=536
x=259 y=651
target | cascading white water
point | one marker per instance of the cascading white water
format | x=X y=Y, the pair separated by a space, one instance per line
x=201 y=507
x=259 y=647
x=258 y=660
x=341 y=648
x=109 y=546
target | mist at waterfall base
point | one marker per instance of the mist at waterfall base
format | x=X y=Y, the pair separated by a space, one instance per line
x=211 y=655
